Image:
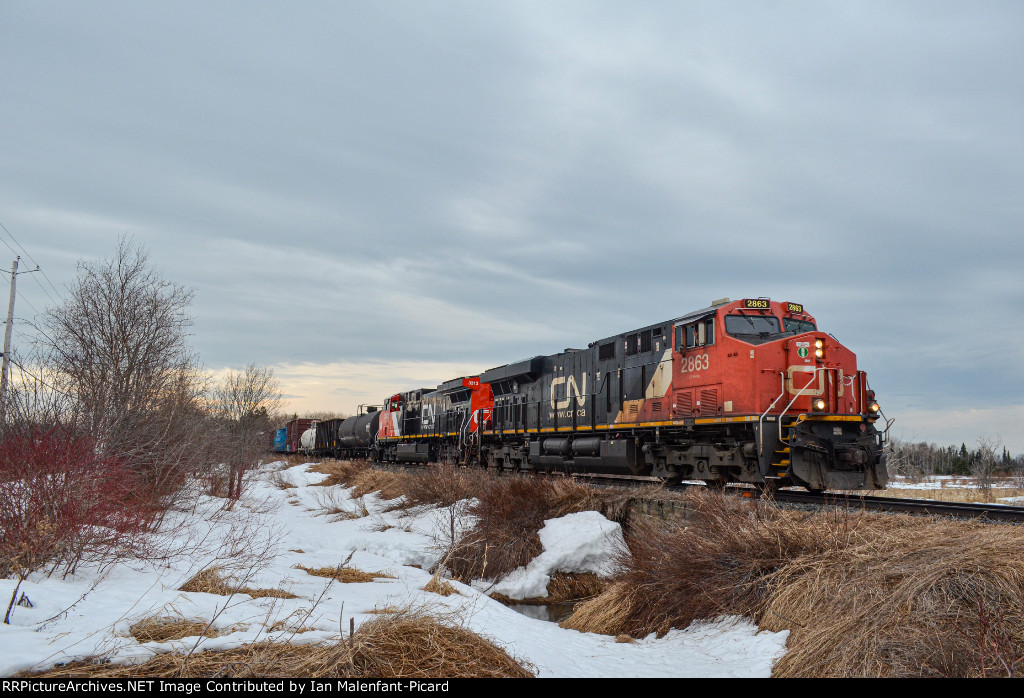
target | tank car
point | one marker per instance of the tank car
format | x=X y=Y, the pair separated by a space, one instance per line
x=740 y=391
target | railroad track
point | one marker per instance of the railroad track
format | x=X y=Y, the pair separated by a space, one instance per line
x=851 y=502
x=929 y=507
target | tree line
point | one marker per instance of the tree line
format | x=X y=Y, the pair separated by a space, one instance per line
x=985 y=460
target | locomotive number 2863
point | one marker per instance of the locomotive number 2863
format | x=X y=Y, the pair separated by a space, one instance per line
x=695 y=362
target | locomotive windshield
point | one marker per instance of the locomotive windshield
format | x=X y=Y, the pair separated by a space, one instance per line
x=746 y=326
x=794 y=326
x=758 y=329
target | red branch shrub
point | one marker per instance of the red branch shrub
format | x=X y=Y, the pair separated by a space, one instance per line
x=61 y=501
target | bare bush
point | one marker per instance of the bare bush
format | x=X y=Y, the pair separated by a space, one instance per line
x=986 y=463
x=61 y=500
x=242 y=406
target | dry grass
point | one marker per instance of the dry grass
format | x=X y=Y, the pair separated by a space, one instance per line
x=564 y=587
x=338 y=472
x=283 y=625
x=509 y=513
x=165 y=629
x=296 y=459
x=862 y=594
x=930 y=598
x=410 y=645
x=437 y=586
x=343 y=574
x=445 y=484
x=610 y=613
x=404 y=644
x=716 y=562
x=212 y=581
x=335 y=504
x=278 y=480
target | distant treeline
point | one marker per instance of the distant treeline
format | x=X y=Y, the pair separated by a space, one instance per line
x=988 y=457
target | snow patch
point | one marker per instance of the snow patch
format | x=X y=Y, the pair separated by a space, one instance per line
x=581 y=542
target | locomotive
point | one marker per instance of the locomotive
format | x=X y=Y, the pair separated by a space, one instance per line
x=747 y=391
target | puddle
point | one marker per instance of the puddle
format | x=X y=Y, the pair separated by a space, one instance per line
x=553 y=612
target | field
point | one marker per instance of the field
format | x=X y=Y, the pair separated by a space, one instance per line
x=320 y=568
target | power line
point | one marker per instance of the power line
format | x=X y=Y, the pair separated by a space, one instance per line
x=22 y=297
x=31 y=259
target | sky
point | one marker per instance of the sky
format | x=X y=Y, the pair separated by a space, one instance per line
x=373 y=197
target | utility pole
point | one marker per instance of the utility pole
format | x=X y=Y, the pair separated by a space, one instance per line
x=7 y=330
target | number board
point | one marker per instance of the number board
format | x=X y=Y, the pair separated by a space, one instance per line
x=794 y=308
x=759 y=303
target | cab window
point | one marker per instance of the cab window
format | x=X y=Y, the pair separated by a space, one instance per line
x=697 y=334
x=755 y=329
x=799 y=326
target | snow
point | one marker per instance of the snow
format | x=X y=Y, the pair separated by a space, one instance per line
x=582 y=542
x=272 y=530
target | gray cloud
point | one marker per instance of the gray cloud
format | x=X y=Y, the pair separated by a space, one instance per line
x=456 y=182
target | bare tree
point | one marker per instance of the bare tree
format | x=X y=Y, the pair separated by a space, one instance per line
x=119 y=346
x=986 y=464
x=244 y=404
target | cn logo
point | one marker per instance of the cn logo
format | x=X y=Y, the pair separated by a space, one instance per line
x=571 y=390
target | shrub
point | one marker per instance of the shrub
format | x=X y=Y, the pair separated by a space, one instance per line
x=60 y=501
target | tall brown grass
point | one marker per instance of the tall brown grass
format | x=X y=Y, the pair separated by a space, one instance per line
x=713 y=563
x=862 y=594
x=509 y=512
x=931 y=598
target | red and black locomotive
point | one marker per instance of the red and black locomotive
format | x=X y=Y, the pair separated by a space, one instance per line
x=743 y=391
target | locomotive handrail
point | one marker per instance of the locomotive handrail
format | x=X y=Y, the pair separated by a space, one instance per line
x=760 y=421
x=798 y=394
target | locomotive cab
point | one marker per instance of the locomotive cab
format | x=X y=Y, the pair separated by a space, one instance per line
x=815 y=410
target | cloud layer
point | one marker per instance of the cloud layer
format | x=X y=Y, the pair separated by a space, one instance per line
x=466 y=184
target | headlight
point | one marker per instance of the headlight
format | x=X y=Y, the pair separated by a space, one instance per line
x=819 y=348
x=818 y=404
x=874 y=409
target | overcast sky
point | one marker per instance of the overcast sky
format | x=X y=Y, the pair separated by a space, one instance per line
x=375 y=196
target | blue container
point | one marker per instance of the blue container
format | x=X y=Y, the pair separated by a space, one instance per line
x=280 y=440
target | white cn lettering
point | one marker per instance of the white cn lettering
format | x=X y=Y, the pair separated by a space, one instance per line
x=572 y=390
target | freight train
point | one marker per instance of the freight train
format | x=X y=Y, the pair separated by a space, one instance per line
x=747 y=391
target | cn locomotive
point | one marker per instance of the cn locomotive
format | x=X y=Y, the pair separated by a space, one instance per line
x=747 y=391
